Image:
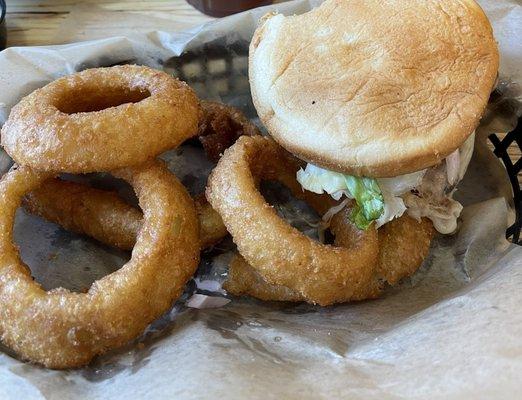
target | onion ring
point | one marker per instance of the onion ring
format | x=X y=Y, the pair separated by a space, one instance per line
x=243 y=279
x=61 y=329
x=104 y=216
x=220 y=126
x=282 y=255
x=101 y=119
x=404 y=243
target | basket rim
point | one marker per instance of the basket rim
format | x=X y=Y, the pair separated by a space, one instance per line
x=4 y=9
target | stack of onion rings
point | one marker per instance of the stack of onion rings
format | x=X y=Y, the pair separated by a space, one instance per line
x=71 y=126
x=107 y=119
x=396 y=250
x=283 y=256
x=403 y=245
x=104 y=216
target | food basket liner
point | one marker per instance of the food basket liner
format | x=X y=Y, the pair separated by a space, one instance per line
x=452 y=330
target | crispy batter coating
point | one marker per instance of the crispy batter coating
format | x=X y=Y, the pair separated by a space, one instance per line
x=220 y=126
x=104 y=216
x=403 y=245
x=101 y=119
x=244 y=280
x=62 y=329
x=211 y=227
x=282 y=255
x=101 y=214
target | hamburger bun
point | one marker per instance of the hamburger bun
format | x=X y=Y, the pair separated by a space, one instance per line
x=374 y=88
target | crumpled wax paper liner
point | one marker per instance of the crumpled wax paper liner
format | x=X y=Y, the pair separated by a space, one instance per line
x=454 y=330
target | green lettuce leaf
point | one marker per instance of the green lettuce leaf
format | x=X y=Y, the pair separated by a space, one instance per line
x=369 y=199
x=366 y=191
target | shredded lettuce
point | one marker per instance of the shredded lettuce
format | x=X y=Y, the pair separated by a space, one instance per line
x=384 y=199
x=377 y=200
x=319 y=180
x=359 y=219
x=369 y=199
x=366 y=192
x=392 y=190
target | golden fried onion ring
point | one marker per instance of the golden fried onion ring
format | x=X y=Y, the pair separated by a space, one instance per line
x=62 y=329
x=104 y=216
x=243 y=279
x=281 y=254
x=403 y=245
x=101 y=119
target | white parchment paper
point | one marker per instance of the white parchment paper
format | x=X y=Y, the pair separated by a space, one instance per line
x=454 y=330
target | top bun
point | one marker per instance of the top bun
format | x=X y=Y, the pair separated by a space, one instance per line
x=374 y=88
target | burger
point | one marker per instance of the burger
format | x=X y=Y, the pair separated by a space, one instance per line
x=380 y=98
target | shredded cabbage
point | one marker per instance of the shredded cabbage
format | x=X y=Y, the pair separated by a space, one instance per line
x=466 y=151
x=383 y=199
x=319 y=180
x=366 y=192
x=392 y=190
x=452 y=167
x=377 y=199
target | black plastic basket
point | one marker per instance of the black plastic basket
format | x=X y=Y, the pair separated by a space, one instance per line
x=3 y=31
x=216 y=69
x=513 y=168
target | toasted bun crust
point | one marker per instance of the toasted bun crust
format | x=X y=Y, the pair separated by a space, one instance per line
x=374 y=87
